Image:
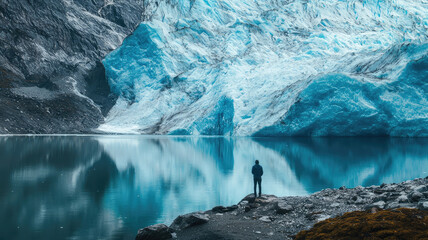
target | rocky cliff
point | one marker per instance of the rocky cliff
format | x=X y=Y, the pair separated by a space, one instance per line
x=51 y=77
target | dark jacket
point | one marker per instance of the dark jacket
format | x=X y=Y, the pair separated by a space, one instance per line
x=257 y=171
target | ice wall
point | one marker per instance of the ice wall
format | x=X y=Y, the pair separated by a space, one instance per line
x=273 y=67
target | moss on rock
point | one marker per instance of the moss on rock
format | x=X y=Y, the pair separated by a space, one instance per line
x=402 y=223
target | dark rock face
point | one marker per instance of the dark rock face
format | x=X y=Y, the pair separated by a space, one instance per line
x=189 y=220
x=283 y=207
x=51 y=77
x=154 y=232
x=222 y=209
x=423 y=205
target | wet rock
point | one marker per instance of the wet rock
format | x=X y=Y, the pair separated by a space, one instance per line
x=231 y=208
x=421 y=189
x=155 y=232
x=322 y=217
x=379 y=204
x=219 y=209
x=282 y=207
x=393 y=205
x=189 y=220
x=309 y=206
x=335 y=205
x=393 y=194
x=367 y=195
x=265 y=219
x=360 y=201
x=250 y=206
x=266 y=199
x=243 y=203
x=381 y=197
x=403 y=199
x=254 y=205
x=415 y=196
x=378 y=191
x=249 y=198
x=423 y=205
x=312 y=215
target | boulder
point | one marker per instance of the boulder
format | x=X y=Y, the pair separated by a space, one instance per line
x=415 y=196
x=392 y=205
x=403 y=199
x=334 y=205
x=189 y=220
x=247 y=208
x=377 y=205
x=421 y=189
x=309 y=206
x=251 y=206
x=282 y=207
x=265 y=219
x=231 y=208
x=423 y=205
x=243 y=203
x=221 y=209
x=154 y=232
x=382 y=197
x=360 y=201
x=249 y=198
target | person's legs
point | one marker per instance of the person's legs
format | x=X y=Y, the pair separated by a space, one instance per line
x=255 y=183
x=260 y=187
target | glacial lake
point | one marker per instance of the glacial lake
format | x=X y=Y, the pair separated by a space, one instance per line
x=107 y=187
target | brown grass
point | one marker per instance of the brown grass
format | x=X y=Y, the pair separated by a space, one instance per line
x=397 y=224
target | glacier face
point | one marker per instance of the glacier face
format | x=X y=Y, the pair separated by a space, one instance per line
x=273 y=68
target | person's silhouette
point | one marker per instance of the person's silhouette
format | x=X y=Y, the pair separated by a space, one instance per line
x=257 y=172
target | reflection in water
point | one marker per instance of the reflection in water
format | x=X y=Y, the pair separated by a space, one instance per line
x=106 y=187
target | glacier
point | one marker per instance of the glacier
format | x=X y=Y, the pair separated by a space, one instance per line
x=273 y=68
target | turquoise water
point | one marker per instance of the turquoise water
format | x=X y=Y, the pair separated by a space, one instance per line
x=107 y=187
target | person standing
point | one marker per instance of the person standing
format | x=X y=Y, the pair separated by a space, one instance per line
x=257 y=172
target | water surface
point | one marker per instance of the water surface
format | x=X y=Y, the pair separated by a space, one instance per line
x=107 y=187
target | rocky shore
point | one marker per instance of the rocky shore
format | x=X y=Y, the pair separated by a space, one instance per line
x=271 y=217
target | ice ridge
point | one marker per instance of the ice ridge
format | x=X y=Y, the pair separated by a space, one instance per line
x=273 y=68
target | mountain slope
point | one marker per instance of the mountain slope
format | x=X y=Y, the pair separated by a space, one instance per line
x=51 y=77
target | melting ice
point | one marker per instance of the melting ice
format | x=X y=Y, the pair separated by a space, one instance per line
x=273 y=68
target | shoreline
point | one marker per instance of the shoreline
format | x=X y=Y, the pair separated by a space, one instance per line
x=272 y=217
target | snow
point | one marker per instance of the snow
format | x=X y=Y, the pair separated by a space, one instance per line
x=273 y=67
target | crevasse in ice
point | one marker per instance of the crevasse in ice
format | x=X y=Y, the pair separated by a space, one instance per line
x=273 y=68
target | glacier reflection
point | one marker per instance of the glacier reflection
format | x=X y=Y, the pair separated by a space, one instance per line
x=92 y=187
